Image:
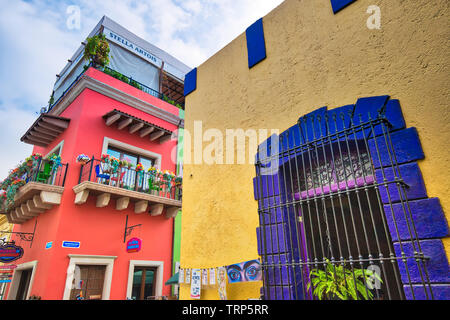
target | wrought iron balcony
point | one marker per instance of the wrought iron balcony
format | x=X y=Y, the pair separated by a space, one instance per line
x=32 y=188
x=149 y=191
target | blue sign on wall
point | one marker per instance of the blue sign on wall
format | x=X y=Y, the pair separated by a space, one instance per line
x=71 y=244
x=5 y=281
x=48 y=245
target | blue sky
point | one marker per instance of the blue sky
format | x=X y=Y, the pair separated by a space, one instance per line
x=36 y=43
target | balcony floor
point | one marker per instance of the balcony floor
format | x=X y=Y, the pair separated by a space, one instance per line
x=143 y=202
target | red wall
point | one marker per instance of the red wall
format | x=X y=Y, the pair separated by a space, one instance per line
x=100 y=230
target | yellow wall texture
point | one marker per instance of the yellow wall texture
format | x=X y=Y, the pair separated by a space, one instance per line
x=314 y=59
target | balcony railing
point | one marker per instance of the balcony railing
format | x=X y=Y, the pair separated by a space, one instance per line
x=129 y=179
x=32 y=188
x=123 y=78
x=48 y=172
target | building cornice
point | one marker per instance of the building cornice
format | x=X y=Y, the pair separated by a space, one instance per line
x=86 y=82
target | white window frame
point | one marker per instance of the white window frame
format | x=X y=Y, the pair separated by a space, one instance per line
x=59 y=145
x=159 y=265
x=108 y=142
x=12 y=294
x=80 y=259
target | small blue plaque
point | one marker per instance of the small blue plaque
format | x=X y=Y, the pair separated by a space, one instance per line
x=71 y=244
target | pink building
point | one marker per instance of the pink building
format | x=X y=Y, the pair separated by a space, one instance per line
x=82 y=217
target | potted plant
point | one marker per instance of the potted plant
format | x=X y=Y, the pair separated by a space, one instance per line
x=29 y=161
x=139 y=167
x=115 y=164
x=83 y=159
x=339 y=283
x=97 y=50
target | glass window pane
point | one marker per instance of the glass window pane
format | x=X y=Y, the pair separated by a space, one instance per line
x=149 y=275
x=137 y=280
x=113 y=153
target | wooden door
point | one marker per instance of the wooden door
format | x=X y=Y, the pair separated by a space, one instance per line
x=93 y=278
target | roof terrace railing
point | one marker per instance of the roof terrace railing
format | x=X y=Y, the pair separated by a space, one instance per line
x=123 y=78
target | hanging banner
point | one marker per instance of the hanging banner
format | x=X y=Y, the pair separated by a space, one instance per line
x=127 y=44
x=10 y=252
x=244 y=271
x=181 y=276
x=222 y=282
x=212 y=276
x=205 y=277
x=196 y=284
x=188 y=275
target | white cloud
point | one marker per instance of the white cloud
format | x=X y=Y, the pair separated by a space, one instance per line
x=36 y=44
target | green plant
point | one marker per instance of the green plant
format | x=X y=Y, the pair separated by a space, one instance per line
x=97 y=51
x=337 y=281
x=51 y=100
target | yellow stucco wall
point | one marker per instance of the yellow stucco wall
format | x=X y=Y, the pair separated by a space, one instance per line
x=314 y=59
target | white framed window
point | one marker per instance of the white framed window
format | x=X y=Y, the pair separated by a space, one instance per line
x=145 y=279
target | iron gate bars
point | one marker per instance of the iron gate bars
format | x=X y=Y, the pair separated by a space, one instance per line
x=324 y=231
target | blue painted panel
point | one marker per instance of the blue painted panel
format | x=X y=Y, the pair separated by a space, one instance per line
x=338 y=5
x=367 y=109
x=394 y=115
x=406 y=144
x=190 y=82
x=275 y=239
x=256 y=46
x=440 y=292
x=437 y=266
x=428 y=217
x=410 y=174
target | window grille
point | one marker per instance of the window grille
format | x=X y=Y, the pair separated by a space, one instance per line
x=320 y=211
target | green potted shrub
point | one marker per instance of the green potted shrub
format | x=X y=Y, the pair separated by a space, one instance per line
x=97 y=50
x=339 y=283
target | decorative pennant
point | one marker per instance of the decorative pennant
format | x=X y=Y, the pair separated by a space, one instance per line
x=188 y=275
x=222 y=282
x=244 y=271
x=205 y=277
x=212 y=276
x=196 y=284
x=181 y=276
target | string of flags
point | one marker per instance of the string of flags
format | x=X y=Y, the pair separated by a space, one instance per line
x=234 y=273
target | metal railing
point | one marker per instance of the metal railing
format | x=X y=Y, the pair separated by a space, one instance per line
x=324 y=222
x=128 y=178
x=48 y=172
x=115 y=74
